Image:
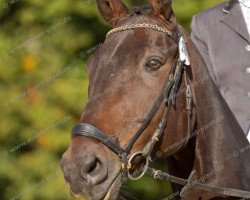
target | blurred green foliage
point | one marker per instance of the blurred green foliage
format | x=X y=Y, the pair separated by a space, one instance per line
x=43 y=48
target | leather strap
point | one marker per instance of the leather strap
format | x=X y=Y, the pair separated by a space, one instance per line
x=190 y=183
x=92 y=132
x=164 y=95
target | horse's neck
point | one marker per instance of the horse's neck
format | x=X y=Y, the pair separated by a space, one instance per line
x=222 y=153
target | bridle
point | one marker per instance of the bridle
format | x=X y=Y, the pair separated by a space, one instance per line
x=167 y=95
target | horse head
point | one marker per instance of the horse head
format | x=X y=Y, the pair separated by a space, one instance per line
x=140 y=102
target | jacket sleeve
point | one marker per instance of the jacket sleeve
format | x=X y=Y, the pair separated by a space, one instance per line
x=197 y=35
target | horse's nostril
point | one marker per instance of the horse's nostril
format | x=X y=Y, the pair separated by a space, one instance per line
x=93 y=170
x=93 y=166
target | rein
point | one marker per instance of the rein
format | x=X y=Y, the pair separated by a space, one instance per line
x=168 y=95
x=192 y=183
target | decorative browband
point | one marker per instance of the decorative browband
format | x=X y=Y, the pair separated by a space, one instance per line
x=136 y=26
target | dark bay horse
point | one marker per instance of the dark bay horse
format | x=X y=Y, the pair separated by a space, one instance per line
x=142 y=94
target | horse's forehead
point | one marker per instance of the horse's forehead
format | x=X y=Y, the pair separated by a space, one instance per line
x=127 y=48
x=129 y=43
x=137 y=36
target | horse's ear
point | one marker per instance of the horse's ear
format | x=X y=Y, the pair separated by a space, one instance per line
x=162 y=9
x=112 y=10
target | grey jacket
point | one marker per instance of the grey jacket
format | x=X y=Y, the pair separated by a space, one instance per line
x=223 y=41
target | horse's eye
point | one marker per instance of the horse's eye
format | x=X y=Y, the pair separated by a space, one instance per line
x=153 y=64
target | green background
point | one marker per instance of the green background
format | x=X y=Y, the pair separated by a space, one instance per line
x=43 y=49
